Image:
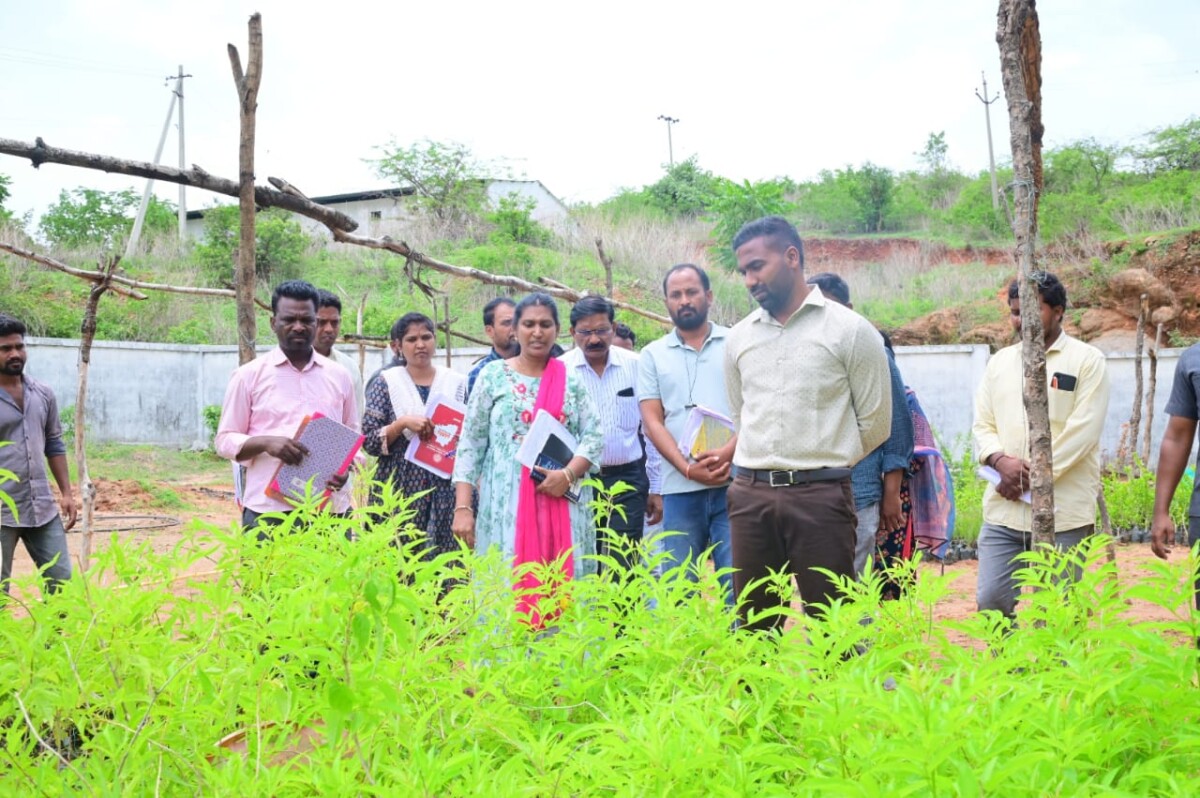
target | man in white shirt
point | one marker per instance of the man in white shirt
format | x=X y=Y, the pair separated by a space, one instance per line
x=610 y=375
x=329 y=327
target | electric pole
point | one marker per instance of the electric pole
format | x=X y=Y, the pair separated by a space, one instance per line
x=987 y=115
x=183 y=163
x=139 y=220
x=670 y=147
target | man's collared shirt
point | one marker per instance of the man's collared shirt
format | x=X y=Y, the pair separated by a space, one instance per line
x=894 y=454
x=1077 y=392
x=615 y=395
x=351 y=365
x=681 y=377
x=492 y=355
x=811 y=393
x=270 y=396
x=36 y=434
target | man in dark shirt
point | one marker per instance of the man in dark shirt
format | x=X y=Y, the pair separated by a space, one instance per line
x=1184 y=409
x=29 y=421
x=498 y=324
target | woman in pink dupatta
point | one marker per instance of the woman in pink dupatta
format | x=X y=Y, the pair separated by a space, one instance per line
x=530 y=522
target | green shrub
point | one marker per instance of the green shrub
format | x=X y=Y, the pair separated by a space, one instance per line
x=131 y=683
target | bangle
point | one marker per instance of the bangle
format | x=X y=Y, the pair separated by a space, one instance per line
x=687 y=474
x=570 y=476
x=466 y=507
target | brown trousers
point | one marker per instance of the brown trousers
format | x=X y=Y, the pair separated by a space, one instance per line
x=789 y=530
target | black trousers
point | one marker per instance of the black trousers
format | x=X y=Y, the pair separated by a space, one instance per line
x=625 y=527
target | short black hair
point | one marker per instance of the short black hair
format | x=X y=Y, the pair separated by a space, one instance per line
x=536 y=299
x=590 y=305
x=409 y=319
x=623 y=330
x=295 y=289
x=11 y=325
x=678 y=267
x=832 y=286
x=328 y=299
x=1050 y=288
x=489 y=310
x=776 y=228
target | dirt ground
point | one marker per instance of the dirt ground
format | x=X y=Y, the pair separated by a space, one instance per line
x=125 y=509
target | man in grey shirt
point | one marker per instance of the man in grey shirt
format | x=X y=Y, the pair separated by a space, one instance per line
x=29 y=421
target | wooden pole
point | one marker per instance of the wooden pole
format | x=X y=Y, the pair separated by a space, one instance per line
x=446 y=316
x=607 y=262
x=1151 y=385
x=1135 y=415
x=87 y=330
x=1020 y=67
x=247 y=88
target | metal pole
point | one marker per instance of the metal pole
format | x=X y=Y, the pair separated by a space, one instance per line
x=182 y=161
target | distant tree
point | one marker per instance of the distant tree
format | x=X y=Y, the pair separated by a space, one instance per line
x=280 y=244
x=939 y=183
x=934 y=154
x=738 y=203
x=89 y=217
x=1173 y=147
x=871 y=188
x=448 y=181
x=1083 y=165
x=685 y=189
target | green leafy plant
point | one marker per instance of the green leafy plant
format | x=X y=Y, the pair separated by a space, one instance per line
x=344 y=668
x=212 y=417
x=738 y=203
x=515 y=224
x=280 y=244
x=5 y=477
x=89 y=217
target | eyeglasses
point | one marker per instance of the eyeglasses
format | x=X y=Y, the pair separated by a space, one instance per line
x=600 y=332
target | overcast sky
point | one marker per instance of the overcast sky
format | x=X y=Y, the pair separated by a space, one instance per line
x=569 y=93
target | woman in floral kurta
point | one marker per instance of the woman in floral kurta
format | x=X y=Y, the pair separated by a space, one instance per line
x=499 y=414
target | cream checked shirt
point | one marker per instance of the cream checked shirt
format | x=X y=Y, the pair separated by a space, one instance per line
x=812 y=393
x=1077 y=408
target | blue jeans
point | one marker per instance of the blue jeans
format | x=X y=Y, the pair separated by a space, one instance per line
x=703 y=520
x=47 y=546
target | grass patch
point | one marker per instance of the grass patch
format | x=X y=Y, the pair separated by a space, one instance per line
x=152 y=464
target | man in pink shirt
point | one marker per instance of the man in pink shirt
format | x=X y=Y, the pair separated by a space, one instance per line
x=268 y=397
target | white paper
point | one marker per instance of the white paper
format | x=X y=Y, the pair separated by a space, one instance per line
x=993 y=476
x=692 y=424
x=544 y=425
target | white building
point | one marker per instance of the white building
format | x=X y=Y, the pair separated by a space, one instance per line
x=375 y=209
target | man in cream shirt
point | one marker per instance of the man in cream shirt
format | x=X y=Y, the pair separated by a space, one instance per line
x=1077 y=389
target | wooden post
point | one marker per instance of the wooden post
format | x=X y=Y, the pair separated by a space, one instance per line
x=87 y=333
x=1020 y=67
x=358 y=328
x=247 y=88
x=446 y=316
x=1150 y=388
x=607 y=263
x=1135 y=415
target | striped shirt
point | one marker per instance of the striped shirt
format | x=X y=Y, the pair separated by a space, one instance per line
x=615 y=395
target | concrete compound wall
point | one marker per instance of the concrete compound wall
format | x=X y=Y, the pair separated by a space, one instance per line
x=156 y=393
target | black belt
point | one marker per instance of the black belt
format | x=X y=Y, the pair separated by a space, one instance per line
x=619 y=469
x=783 y=479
